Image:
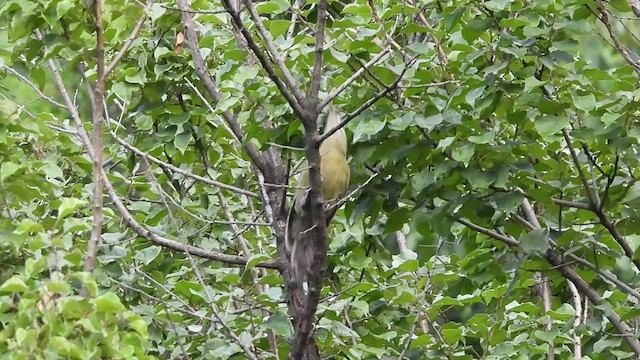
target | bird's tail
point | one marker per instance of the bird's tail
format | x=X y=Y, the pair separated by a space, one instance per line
x=297 y=244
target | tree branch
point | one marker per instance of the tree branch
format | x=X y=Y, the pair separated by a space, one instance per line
x=622 y=50
x=353 y=78
x=98 y=117
x=367 y=104
x=570 y=275
x=127 y=44
x=32 y=85
x=202 y=71
x=595 y=206
x=318 y=233
x=266 y=65
x=178 y=170
x=124 y=212
x=273 y=52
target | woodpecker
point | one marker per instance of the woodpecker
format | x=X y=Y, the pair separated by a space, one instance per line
x=335 y=180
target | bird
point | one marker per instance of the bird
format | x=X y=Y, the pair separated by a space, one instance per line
x=335 y=172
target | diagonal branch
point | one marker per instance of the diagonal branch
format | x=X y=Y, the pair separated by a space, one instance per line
x=166 y=165
x=124 y=212
x=202 y=71
x=622 y=50
x=32 y=85
x=595 y=206
x=273 y=52
x=353 y=78
x=266 y=64
x=127 y=44
x=367 y=104
x=570 y=275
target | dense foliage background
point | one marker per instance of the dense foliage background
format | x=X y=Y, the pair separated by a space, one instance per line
x=493 y=207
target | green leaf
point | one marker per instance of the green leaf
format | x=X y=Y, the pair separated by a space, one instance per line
x=108 y=302
x=585 y=103
x=7 y=107
x=484 y=138
x=181 y=141
x=272 y=7
x=144 y=122
x=475 y=28
x=451 y=333
x=550 y=125
x=508 y=201
x=52 y=170
x=148 y=254
x=28 y=226
x=548 y=336
x=255 y=260
x=68 y=206
x=280 y=324
x=536 y=242
x=279 y=27
x=7 y=169
x=463 y=153
x=633 y=193
x=563 y=313
x=14 y=284
x=63 y=7
x=425 y=48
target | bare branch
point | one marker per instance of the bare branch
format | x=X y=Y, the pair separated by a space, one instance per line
x=570 y=275
x=542 y=287
x=622 y=50
x=316 y=73
x=96 y=160
x=571 y=204
x=274 y=53
x=32 y=85
x=594 y=298
x=318 y=233
x=482 y=230
x=577 y=304
x=127 y=44
x=366 y=105
x=124 y=212
x=203 y=73
x=595 y=206
x=266 y=65
x=294 y=18
x=178 y=170
x=353 y=78
x=583 y=177
x=376 y=18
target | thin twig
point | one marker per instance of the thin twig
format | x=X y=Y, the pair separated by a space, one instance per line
x=572 y=276
x=291 y=98
x=353 y=78
x=622 y=50
x=202 y=71
x=367 y=104
x=124 y=212
x=178 y=170
x=32 y=85
x=577 y=339
x=274 y=53
x=595 y=206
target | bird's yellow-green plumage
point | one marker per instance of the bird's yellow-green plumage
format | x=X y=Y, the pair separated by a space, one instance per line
x=335 y=180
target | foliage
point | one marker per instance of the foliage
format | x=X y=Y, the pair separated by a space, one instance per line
x=474 y=127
